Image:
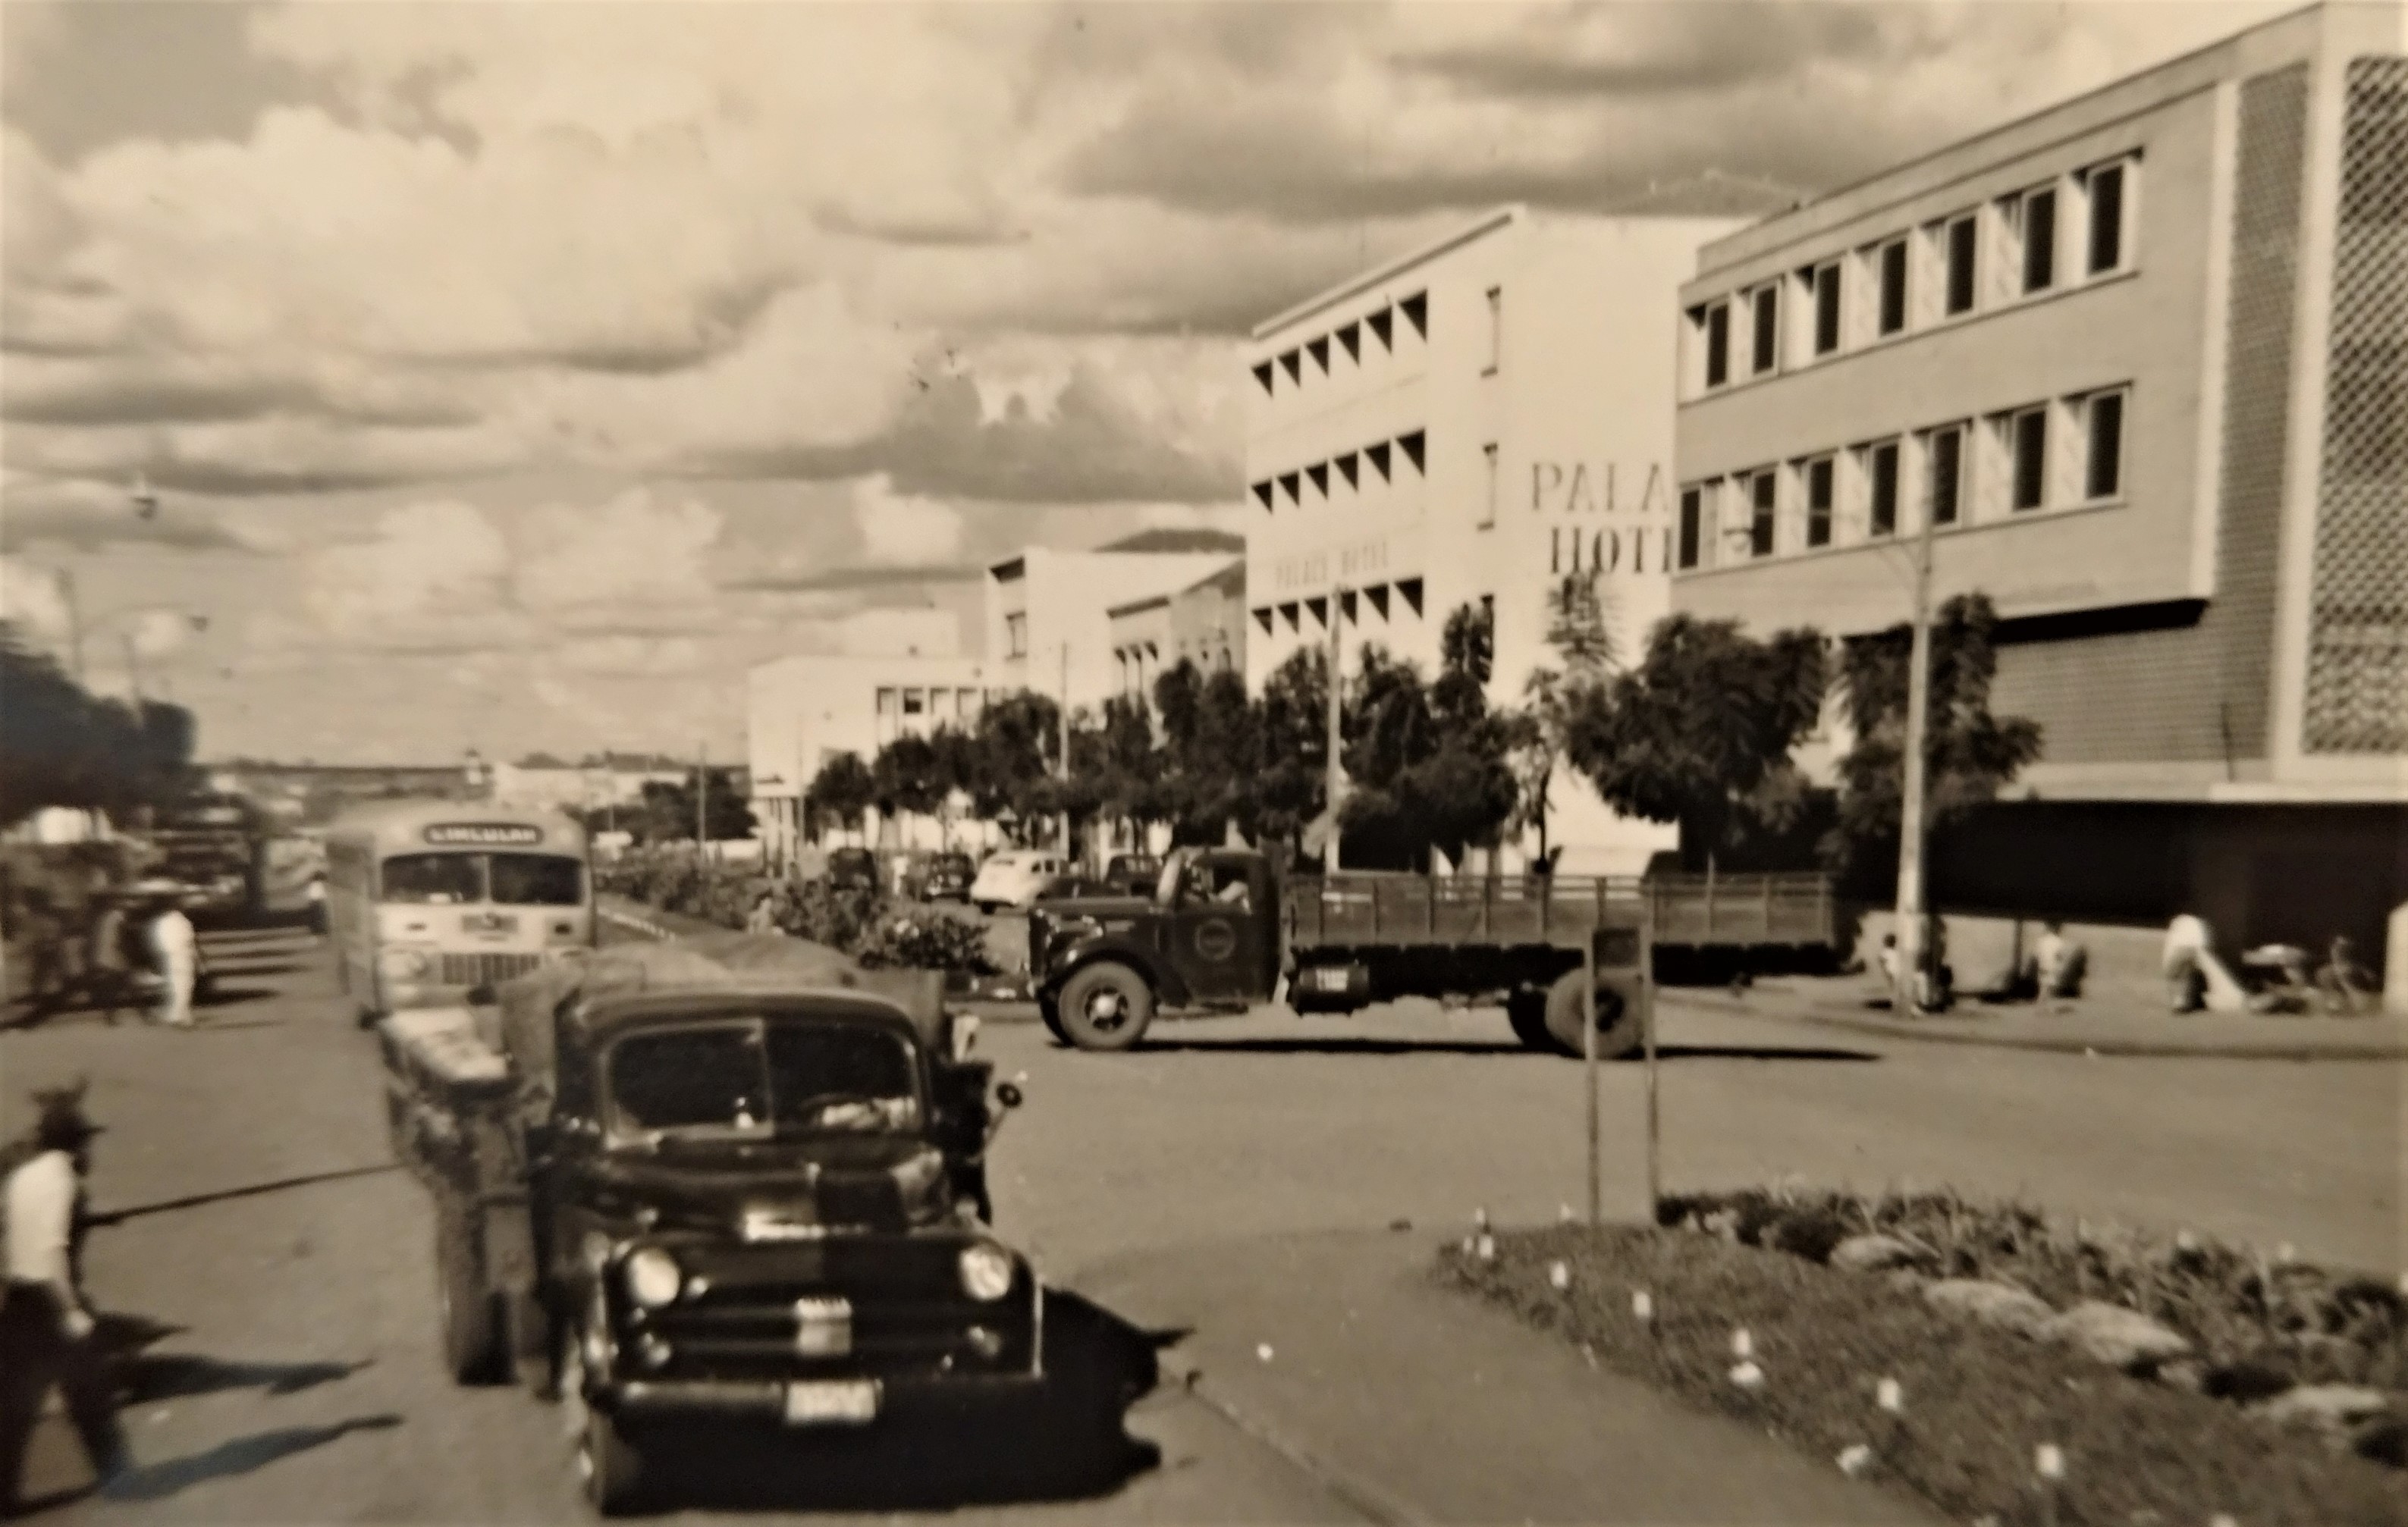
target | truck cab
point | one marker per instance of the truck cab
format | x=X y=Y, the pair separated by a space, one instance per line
x=1206 y=935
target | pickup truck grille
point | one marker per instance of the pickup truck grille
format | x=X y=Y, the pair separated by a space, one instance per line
x=754 y=1336
x=485 y=969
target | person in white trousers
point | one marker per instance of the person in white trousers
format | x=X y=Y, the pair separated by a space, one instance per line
x=178 y=950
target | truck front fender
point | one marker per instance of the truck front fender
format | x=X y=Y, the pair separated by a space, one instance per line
x=1169 y=989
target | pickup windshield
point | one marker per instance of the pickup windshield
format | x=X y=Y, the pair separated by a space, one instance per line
x=762 y=1077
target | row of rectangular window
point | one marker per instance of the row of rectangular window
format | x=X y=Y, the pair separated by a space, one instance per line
x=2021 y=256
x=1408 y=590
x=923 y=701
x=1347 y=467
x=1351 y=338
x=2040 y=455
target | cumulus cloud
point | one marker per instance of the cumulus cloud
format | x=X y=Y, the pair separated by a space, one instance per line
x=602 y=562
x=433 y=578
x=33 y=599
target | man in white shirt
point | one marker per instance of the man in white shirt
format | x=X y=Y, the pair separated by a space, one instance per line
x=45 y=1330
x=178 y=950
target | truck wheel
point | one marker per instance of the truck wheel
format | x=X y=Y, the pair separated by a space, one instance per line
x=470 y=1313
x=1527 y=1012
x=533 y=1350
x=1106 y=1007
x=1617 y=1021
x=1048 y=1012
x=609 y=1465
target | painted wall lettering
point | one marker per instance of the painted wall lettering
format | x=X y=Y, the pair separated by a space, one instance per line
x=1599 y=487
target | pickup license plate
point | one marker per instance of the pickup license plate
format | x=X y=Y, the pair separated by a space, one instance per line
x=1330 y=978
x=850 y=1402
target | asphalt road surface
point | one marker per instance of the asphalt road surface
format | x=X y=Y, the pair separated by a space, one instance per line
x=300 y=1382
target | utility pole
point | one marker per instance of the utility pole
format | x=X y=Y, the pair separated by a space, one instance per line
x=1910 y=827
x=1063 y=764
x=1337 y=781
x=133 y=675
x=74 y=620
x=701 y=797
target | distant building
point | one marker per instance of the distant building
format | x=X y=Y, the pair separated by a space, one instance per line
x=578 y=788
x=1469 y=424
x=1049 y=612
x=1203 y=624
x=2137 y=360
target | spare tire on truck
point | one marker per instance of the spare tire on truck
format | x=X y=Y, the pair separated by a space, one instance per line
x=1621 y=1014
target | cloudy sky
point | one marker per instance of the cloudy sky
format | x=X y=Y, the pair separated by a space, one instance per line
x=510 y=375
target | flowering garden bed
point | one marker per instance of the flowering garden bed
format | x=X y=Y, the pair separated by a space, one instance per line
x=860 y=921
x=2035 y=1371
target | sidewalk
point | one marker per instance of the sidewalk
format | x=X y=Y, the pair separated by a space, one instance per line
x=2101 y=1025
x=1419 y=1404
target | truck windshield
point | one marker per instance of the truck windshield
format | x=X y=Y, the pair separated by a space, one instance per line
x=537 y=879
x=436 y=878
x=764 y=1076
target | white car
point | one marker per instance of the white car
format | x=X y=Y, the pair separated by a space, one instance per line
x=1014 y=879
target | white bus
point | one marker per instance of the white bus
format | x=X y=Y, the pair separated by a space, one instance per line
x=428 y=900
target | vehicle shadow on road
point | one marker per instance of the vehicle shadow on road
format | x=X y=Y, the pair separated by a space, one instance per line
x=176 y=1375
x=1507 y=1050
x=1069 y=1442
x=232 y=1458
x=235 y=996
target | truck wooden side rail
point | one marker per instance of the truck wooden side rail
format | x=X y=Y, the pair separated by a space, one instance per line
x=1374 y=908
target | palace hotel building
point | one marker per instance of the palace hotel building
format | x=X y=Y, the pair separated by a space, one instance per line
x=2141 y=361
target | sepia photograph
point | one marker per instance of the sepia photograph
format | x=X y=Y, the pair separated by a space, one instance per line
x=1194 y=761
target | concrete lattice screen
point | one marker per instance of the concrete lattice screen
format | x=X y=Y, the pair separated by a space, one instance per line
x=2357 y=698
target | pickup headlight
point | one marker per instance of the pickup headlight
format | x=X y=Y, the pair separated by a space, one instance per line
x=986 y=1271
x=653 y=1278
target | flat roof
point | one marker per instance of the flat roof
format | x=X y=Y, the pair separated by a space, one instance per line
x=1765 y=233
x=1362 y=281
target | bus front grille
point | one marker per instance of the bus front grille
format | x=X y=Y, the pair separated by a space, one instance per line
x=486 y=969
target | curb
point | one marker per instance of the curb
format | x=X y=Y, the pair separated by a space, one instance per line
x=1182 y=1370
x=2122 y=1049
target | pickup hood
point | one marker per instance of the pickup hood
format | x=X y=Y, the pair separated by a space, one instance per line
x=798 y=1189
x=1059 y=907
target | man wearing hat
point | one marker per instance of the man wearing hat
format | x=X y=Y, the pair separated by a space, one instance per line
x=46 y=1331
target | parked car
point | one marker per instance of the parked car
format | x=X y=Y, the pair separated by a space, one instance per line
x=1015 y=878
x=1132 y=874
x=939 y=877
x=1076 y=885
x=853 y=869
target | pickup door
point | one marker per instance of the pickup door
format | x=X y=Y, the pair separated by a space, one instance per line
x=1220 y=936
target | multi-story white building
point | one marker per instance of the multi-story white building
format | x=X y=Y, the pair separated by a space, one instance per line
x=1048 y=624
x=895 y=673
x=2138 y=362
x=1467 y=425
x=1203 y=624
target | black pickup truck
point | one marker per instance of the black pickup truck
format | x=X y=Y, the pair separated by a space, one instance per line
x=668 y=1199
x=1233 y=933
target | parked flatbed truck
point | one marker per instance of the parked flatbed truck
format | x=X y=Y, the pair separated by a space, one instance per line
x=1224 y=930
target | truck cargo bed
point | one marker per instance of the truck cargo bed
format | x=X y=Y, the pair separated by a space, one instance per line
x=1373 y=910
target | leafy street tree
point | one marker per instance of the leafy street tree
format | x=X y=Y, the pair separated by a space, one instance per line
x=909 y=777
x=1969 y=754
x=1019 y=739
x=1540 y=733
x=1700 y=733
x=1430 y=764
x=665 y=813
x=62 y=745
x=842 y=791
x=1208 y=751
x=1287 y=768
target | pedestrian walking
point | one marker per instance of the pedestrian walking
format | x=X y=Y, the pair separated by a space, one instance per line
x=179 y=952
x=45 y=1327
x=317 y=895
x=104 y=961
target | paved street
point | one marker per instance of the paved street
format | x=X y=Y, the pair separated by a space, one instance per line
x=302 y=1382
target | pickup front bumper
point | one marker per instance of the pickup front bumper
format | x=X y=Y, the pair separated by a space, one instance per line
x=766 y=1399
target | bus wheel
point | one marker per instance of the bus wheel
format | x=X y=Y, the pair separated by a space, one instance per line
x=1106 y=1007
x=470 y=1312
x=1618 y=1021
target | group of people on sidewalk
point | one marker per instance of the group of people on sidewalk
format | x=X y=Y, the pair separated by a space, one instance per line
x=93 y=951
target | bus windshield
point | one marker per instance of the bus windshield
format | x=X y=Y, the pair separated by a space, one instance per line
x=537 y=879
x=441 y=879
